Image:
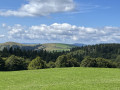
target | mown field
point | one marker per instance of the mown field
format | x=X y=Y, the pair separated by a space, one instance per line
x=47 y=46
x=61 y=79
x=57 y=47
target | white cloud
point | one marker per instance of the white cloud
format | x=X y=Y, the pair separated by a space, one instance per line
x=65 y=33
x=41 y=8
x=3 y=25
x=1 y=36
x=74 y=38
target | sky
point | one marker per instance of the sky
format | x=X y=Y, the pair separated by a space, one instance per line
x=60 y=21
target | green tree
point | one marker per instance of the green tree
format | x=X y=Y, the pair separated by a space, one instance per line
x=37 y=63
x=88 y=62
x=117 y=58
x=61 y=61
x=118 y=65
x=97 y=62
x=14 y=63
x=26 y=63
x=51 y=64
x=101 y=62
x=73 y=63
x=2 y=64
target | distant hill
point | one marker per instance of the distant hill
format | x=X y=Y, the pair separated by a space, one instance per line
x=19 y=45
x=57 y=46
x=48 y=46
x=79 y=44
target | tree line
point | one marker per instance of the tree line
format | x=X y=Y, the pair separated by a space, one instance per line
x=102 y=55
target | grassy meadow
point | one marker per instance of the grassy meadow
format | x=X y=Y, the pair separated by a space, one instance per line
x=47 y=46
x=61 y=79
x=57 y=47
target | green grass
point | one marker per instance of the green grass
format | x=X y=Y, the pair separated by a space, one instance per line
x=61 y=79
x=57 y=46
x=48 y=46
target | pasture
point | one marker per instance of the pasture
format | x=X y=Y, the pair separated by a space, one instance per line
x=61 y=79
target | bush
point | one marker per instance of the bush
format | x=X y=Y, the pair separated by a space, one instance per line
x=61 y=61
x=26 y=63
x=2 y=64
x=73 y=63
x=37 y=63
x=97 y=62
x=88 y=62
x=101 y=62
x=117 y=58
x=51 y=64
x=118 y=65
x=15 y=63
x=66 y=61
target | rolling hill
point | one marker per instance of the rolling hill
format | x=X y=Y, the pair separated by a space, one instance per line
x=79 y=44
x=48 y=46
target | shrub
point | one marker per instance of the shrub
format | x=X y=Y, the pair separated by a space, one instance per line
x=101 y=62
x=14 y=63
x=118 y=65
x=37 y=63
x=88 y=62
x=51 y=64
x=26 y=63
x=2 y=64
x=117 y=58
x=97 y=62
x=61 y=61
x=66 y=61
x=73 y=63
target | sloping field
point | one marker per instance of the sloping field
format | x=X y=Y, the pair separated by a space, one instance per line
x=61 y=79
x=57 y=46
x=48 y=46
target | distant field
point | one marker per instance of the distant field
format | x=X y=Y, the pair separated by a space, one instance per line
x=48 y=46
x=57 y=46
x=61 y=79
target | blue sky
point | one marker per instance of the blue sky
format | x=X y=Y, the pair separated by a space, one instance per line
x=60 y=21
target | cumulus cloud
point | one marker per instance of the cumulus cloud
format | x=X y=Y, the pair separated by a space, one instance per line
x=41 y=8
x=1 y=36
x=65 y=33
x=3 y=25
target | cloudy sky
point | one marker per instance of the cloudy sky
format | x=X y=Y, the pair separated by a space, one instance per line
x=60 y=21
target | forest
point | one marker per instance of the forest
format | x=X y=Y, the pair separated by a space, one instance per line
x=99 y=55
